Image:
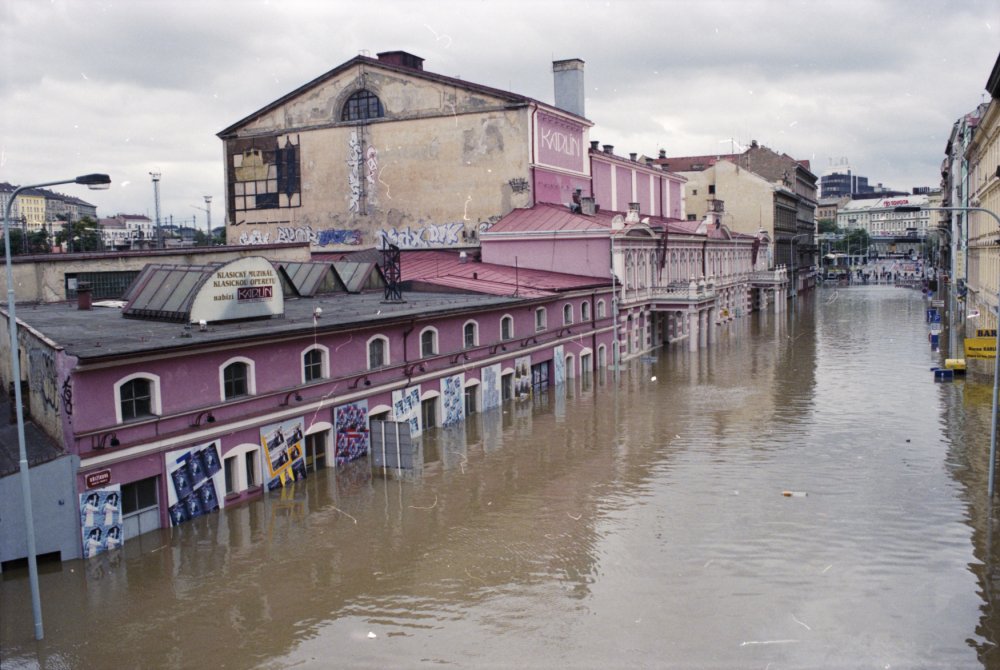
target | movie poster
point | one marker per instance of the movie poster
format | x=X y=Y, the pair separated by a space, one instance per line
x=490 y=381
x=522 y=377
x=285 y=460
x=558 y=365
x=453 y=393
x=194 y=482
x=101 y=520
x=351 y=423
x=406 y=407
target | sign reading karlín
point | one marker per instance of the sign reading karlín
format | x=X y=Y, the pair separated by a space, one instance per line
x=242 y=289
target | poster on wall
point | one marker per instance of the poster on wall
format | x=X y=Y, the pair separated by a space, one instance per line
x=490 y=380
x=101 y=520
x=406 y=407
x=522 y=377
x=285 y=460
x=453 y=394
x=558 y=365
x=194 y=482
x=353 y=438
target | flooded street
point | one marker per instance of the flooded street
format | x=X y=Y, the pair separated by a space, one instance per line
x=637 y=524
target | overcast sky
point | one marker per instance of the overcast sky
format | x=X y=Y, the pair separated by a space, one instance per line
x=129 y=87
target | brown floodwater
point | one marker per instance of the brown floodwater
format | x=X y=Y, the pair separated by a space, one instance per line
x=637 y=523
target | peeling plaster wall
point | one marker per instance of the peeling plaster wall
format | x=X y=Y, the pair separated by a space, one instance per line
x=440 y=167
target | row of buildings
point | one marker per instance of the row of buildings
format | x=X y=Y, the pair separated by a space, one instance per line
x=404 y=249
x=970 y=185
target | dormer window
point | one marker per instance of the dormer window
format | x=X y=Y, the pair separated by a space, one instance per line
x=361 y=106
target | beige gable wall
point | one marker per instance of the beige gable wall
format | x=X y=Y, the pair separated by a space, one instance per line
x=443 y=164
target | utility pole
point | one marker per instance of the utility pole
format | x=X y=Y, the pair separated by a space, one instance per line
x=208 y=213
x=156 y=197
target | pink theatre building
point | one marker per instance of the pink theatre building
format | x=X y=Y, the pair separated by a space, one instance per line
x=212 y=384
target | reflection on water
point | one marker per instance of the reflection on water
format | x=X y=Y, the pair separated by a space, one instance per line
x=604 y=524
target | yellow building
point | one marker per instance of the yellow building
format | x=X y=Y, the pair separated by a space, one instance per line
x=984 y=190
x=31 y=206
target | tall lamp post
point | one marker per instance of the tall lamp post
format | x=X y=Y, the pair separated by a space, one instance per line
x=94 y=181
x=996 y=353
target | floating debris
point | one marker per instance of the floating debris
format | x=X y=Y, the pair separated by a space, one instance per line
x=794 y=494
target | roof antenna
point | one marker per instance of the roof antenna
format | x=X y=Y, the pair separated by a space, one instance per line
x=515 y=277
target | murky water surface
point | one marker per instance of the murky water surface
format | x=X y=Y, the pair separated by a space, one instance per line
x=637 y=524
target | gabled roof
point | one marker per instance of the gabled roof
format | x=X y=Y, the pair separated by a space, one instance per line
x=558 y=219
x=359 y=276
x=368 y=62
x=546 y=217
x=308 y=279
x=447 y=270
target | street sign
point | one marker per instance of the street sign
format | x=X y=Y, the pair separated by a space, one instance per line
x=980 y=347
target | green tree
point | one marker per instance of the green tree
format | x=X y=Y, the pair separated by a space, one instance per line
x=828 y=226
x=82 y=235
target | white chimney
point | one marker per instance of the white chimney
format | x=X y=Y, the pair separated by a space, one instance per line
x=568 y=76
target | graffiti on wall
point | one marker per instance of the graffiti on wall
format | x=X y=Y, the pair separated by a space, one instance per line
x=519 y=185
x=42 y=376
x=353 y=172
x=320 y=238
x=431 y=235
x=255 y=237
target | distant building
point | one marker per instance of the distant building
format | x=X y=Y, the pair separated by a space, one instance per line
x=127 y=231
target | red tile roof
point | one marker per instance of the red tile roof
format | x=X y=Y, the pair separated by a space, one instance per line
x=445 y=268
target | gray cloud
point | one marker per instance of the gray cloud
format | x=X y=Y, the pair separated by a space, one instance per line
x=132 y=87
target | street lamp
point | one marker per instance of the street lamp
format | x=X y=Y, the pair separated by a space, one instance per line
x=93 y=181
x=996 y=353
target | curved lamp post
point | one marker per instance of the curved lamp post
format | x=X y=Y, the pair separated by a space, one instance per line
x=94 y=181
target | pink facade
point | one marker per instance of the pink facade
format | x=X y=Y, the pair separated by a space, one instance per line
x=188 y=375
x=560 y=143
x=557 y=188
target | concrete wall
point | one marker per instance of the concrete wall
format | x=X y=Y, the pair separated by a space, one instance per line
x=442 y=163
x=748 y=198
x=42 y=278
x=54 y=506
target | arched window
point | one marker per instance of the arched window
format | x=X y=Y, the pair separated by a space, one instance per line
x=585 y=311
x=507 y=328
x=567 y=314
x=540 y=319
x=378 y=352
x=237 y=378
x=137 y=396
x=600 y=309
x=314 y=364
x=362 y=105
x=428 y=342
x=470 y=334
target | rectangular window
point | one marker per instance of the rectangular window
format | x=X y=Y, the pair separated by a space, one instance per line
x=136 y=399
x=470 y=400
x=507 y=328
x=428 y=412
x=313 y=365
x=139 y=495
x=470 y=335
x=250 y=462
x=507 y=386
x=235 y=380
x=229 y=466
x=540 y=319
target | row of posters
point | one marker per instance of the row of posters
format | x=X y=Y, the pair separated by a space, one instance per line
x=195 y=482
x=101 y=520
